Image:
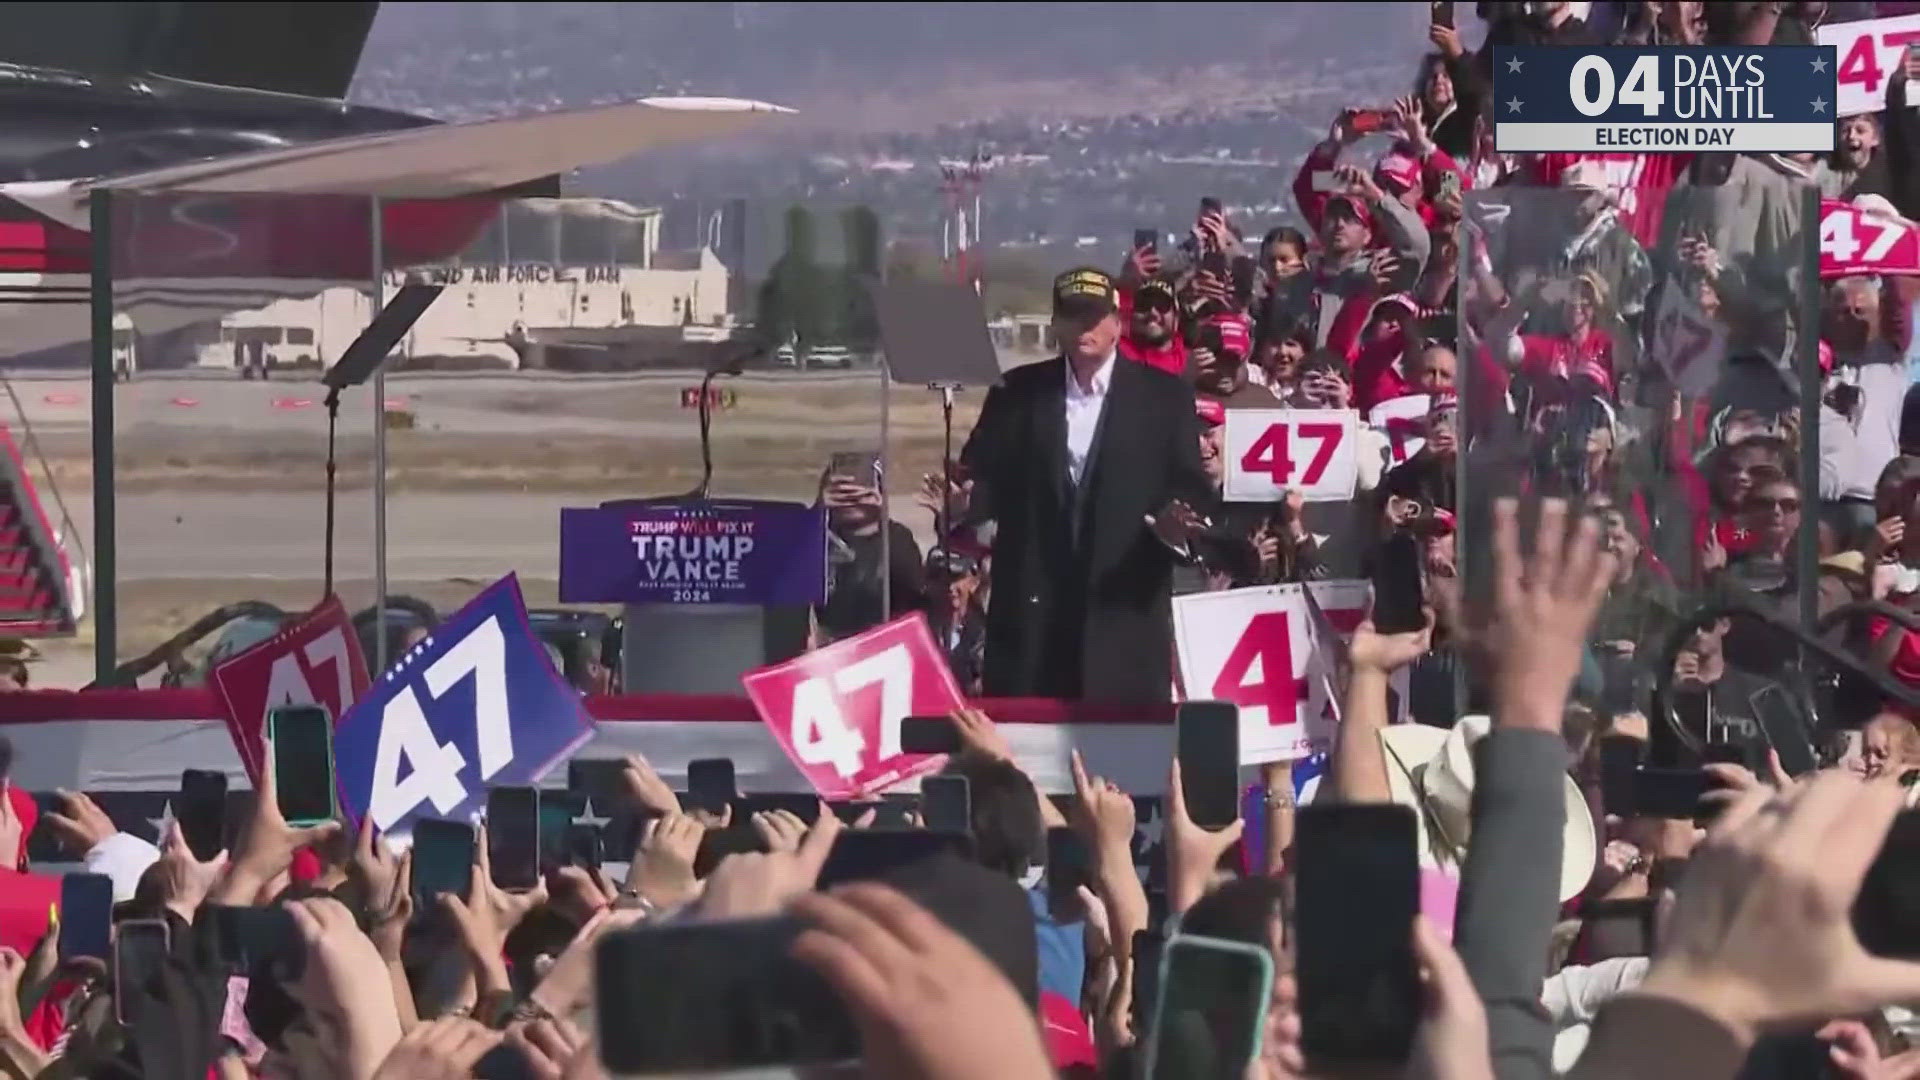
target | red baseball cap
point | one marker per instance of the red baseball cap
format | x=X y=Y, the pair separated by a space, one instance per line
x=1210 y=412
x=1236 y=334
x=1397 y=170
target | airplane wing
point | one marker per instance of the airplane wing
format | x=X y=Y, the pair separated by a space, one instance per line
x=233 y=233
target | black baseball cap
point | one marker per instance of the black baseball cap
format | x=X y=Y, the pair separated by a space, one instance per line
x=1085 y=293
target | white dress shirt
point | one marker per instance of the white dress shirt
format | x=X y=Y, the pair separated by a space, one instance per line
x=1083 y=414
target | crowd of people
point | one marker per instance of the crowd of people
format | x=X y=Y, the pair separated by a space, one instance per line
x=1597 y=368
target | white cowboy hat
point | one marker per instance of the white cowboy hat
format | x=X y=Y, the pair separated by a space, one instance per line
x=1431 y=770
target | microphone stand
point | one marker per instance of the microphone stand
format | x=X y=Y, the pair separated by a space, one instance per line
x=333 y=422
x=733 y=365
x=942 y=515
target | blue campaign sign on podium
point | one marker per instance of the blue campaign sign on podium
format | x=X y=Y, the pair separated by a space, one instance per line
x=475 y=705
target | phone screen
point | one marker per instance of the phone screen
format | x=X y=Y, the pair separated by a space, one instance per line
x=1212 y=1008
x=442 y=860
x=946 y=804
x=1398 y=595
x=557 y=811
x=513 y=837
x=254 y=940
x=865 y=854
x=1669 y=793
x=1619 y=760
x=1149 y=946
x=1068 y=868
x=139 y=953
x=599 y=779
x=1783 y=723
x=1357 y=890
x=710 y=784
x=929 y=735
x=1208 y=737
x=584 y=846
x=1442 y=13
x=860 y=466
x=1243 y=273
x=302 y=758
x=738 y=1000
x=201 y=811
x=86 y=916
x=1146 y=239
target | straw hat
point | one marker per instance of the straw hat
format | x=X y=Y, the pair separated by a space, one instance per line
x=1431 y=770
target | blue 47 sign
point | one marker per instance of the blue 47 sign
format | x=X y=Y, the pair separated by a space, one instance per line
x=475 y=705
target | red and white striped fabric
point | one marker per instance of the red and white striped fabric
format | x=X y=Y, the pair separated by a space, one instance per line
x=140 y=740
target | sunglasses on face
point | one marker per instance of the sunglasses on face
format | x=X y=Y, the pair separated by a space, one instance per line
x=1763 y=505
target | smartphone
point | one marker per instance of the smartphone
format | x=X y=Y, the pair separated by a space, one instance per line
x=584 y=846
x=442 y=860
x=1211 y=1008
x=1215 y=263
x=1149 y=946
x=738 y=1000
x=865 y=854
x=558 y=809
x=860 y=466
x=1324 y=181
x=1367 y=121
x=258 y=940
x=1742 y=754
x=86 y=916
x=710 y=785
x=599 y=779
x=804 y=807
x=1886 y=913
x=1783 y=722
x=1399 y=597
x=302 y=762
x=201 y=811
x=1207 y=735
x=1357 y=890
x=1211 y=204
x=1669 y=793
x=513 y=837
x=946 y=804
x=1146 y=239
x=1069 y=866
x=1619 y=759
x=929 y=735
x=139 y=953
x=1243 y=274
x=1441 y=13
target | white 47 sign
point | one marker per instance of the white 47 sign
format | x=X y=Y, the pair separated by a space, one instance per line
x=1272 y=451
x=836 y=711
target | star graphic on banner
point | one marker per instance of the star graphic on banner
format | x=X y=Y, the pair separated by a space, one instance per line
x=1820 y=105
x=1148 y=831
x=162 y=823
x=587 y=816
x=1820 y=63
x=1513 y=105
x=1513 y=64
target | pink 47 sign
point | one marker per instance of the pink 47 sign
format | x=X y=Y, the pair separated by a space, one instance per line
x=836 y=711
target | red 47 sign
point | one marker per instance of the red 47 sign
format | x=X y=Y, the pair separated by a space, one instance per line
x=314 y=660
x=1854 y=242
x=1270 y=451
x=836 y=711
x=1870 y=52
x=1260 y=648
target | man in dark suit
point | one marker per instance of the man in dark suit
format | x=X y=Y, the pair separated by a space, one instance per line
x=1089 y=467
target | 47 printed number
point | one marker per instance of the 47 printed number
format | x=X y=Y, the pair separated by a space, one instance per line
x=431 y=767
x=1270 y=453
x=822 y=734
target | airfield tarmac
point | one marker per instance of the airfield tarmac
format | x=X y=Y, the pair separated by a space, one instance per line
x=220 y=481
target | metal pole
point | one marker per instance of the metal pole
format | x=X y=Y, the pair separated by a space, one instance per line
x=378 y=227
x=886 y=413
x=1806 y=361
x=106 y=608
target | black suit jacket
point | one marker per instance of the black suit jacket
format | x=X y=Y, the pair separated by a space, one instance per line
x=1081 y=586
